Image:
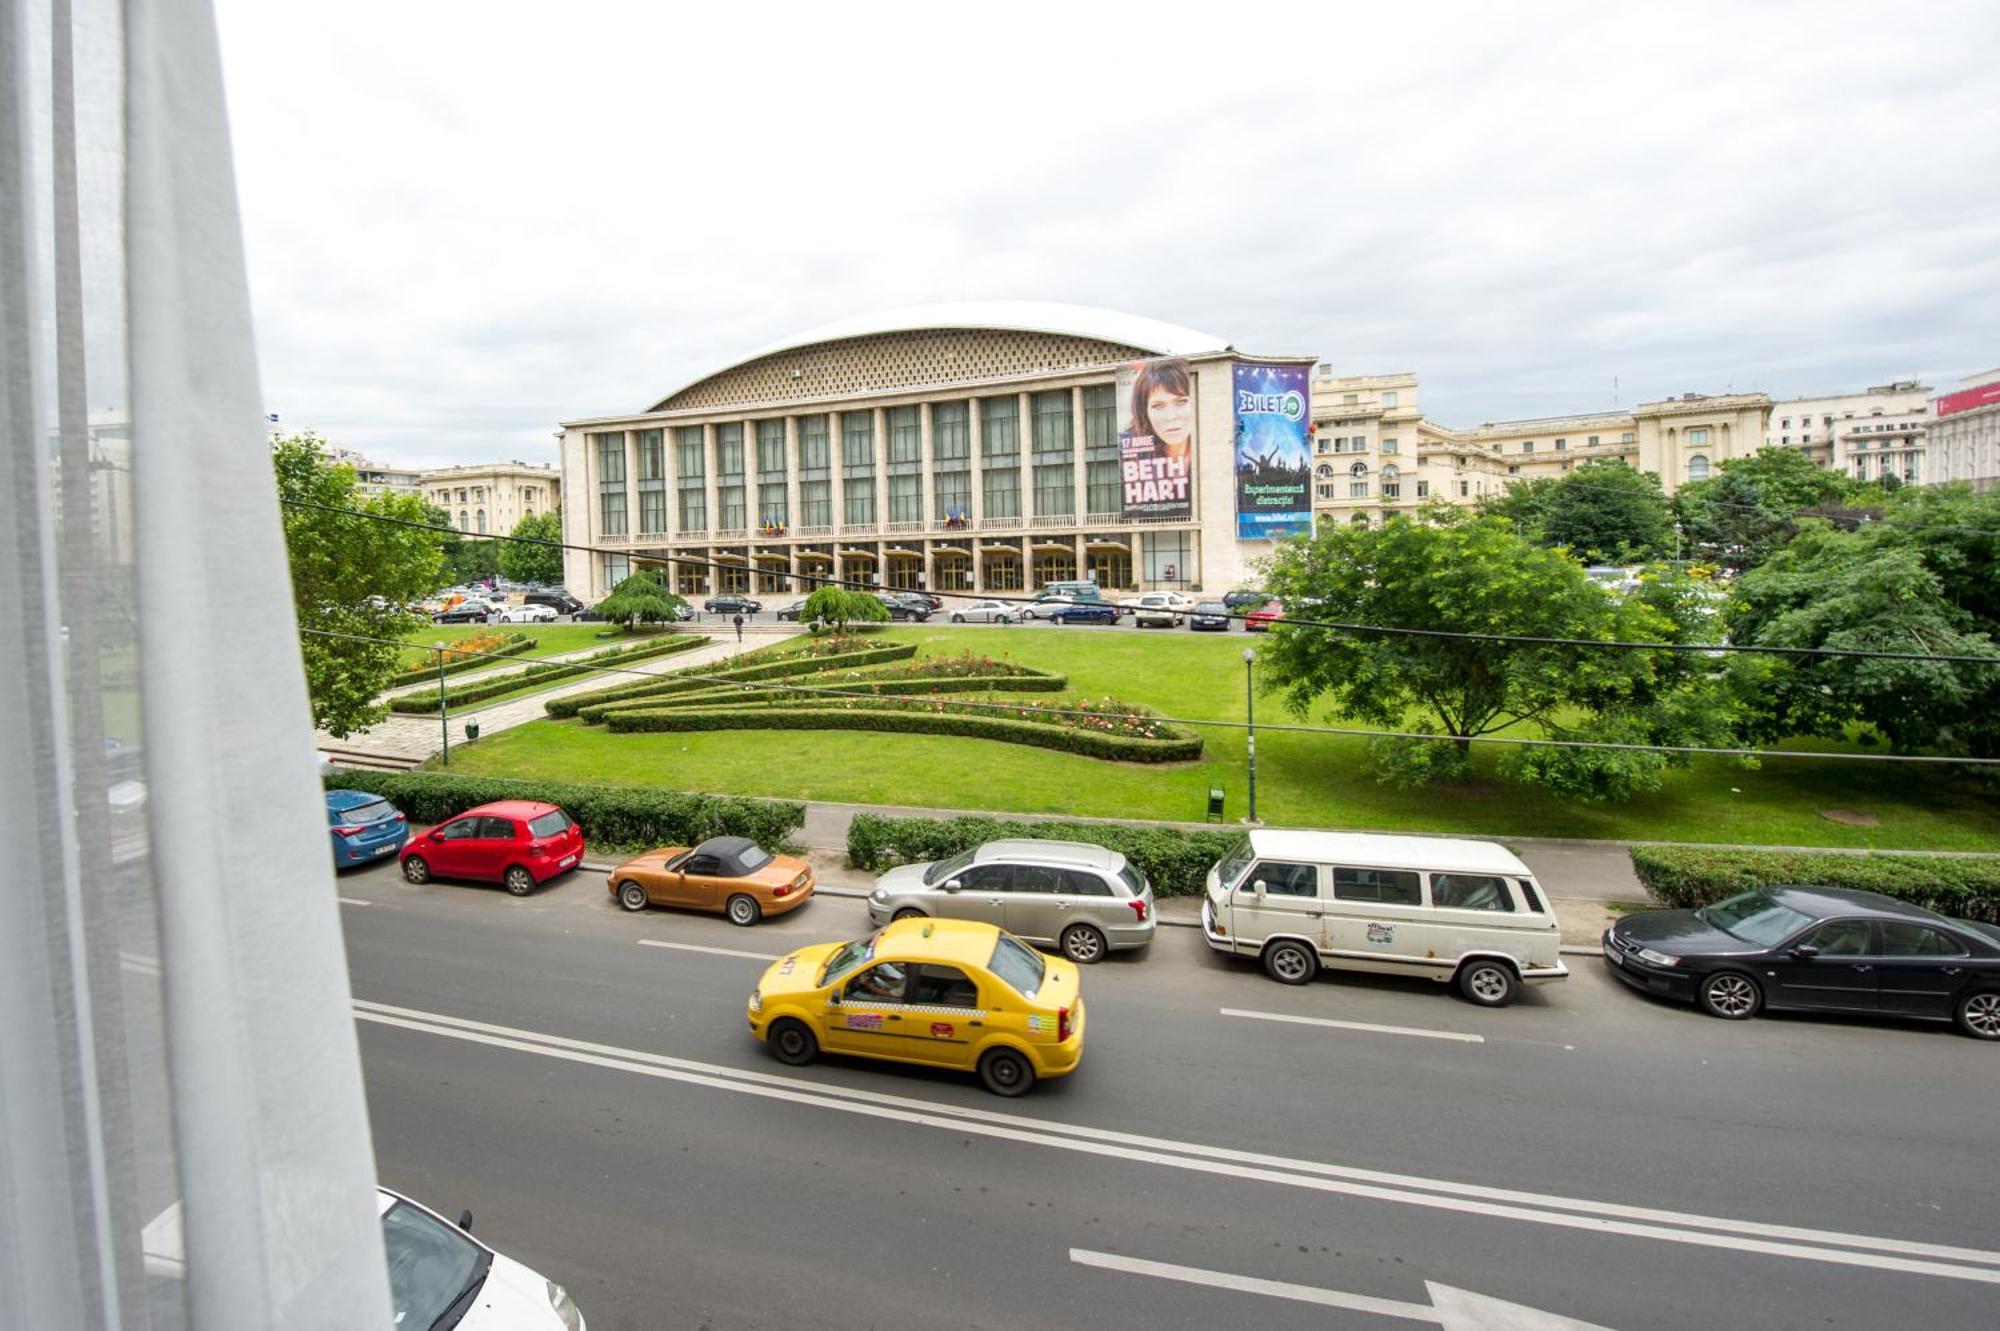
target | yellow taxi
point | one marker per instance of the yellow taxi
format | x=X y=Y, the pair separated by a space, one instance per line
x=947 y=993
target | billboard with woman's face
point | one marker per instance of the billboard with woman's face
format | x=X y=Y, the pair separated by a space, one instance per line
x=1273 y=455
x=1156 y=439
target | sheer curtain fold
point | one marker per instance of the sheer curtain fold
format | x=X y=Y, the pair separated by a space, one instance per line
x=183 y=1132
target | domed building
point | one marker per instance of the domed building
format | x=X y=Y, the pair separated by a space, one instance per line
x=961 y=448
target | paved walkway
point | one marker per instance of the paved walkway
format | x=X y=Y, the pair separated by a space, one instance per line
x=419 y=737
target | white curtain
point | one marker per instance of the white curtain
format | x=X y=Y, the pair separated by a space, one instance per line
x=183 y=1137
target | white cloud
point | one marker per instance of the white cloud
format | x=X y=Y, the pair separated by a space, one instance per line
x=468 y=222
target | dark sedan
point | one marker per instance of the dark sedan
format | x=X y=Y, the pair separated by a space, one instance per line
x=1085 y=612
x=731 y=604
x=792 y=611
x=912 y=608
x=1212 y=616
x=1814 y=949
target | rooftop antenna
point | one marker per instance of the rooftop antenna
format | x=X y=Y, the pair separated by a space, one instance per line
x=1614 y=392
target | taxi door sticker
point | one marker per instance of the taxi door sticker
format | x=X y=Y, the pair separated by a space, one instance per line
x=943 y=1030
x=864 y=1021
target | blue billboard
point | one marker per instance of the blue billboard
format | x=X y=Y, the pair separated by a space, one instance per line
x=1273 y=451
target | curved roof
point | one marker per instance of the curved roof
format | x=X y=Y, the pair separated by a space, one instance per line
x=1014 y=316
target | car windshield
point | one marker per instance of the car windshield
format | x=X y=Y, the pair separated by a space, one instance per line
x=1234 y=863
x=1019 y=965
x=1212 y=608
x=430 y=1266
x=944 y=869
x=754 y=858
x=372 y=812
x=550 y=823
x=1755 y=918
x=847 y=958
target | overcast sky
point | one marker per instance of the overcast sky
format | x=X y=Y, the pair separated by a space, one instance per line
x=468 y=222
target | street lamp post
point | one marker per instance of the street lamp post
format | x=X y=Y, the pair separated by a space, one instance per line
x=444 y=708
x=1250 y=705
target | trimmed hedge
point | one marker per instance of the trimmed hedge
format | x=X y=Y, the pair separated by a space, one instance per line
x=1176 y=860
x=616 y=815
x=548 y=673
x=778 y=669
x=1040 y=734
x=1963 y=887
x=727 y=695
x=483 y=661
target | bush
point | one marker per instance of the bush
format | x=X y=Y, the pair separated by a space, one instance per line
x=1176 y=860
x=1963 y=887
x=514 y=645
x=772 y=669
x=1007 y=729
x=549 y=673
x=615 y=815
x=734 y=695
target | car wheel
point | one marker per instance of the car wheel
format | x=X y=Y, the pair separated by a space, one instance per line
x=1082 y=944
x=1979 y=1015
x=958 y=619
x=1488 y=983
x=907 y=913
x=519 y=881
x=416 y=870
x=631 y=895
x=792 y=1042
x=1290 y=963
x=1731 y=995
x=1006 y=1072
x=744 y=910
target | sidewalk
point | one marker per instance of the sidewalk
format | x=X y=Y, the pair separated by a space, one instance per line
x=410 y=736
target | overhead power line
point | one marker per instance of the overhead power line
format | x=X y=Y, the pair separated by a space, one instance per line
x=1293 y=621
x=816 y=692
x=1290 y=620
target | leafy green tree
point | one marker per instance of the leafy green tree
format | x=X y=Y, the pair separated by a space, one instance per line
x=1609 y=513
x=350 y=576
x=1479 y=576
x=534 y=563
x=640 y=599
x=1523 y=505
x=1751 y=507
x=463 y=558
x=841 y=606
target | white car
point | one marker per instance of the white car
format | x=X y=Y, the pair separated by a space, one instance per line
x=524 y=614
x=439 y=1275
x=985 y=612
x=1159 y=608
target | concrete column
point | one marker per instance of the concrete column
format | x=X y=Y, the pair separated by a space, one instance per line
x=1139 y=561
x=631 y=487
x=881 y=427
x=711 y=503
x=1024 y=461
x=978 y=505
x=1078 y=497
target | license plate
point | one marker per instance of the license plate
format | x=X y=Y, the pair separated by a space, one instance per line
x=1611 y=955
x=384 y=848
x=567 y=861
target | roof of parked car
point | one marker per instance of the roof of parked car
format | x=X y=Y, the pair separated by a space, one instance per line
x=1820 y=902
x=1366 y=849
x=1037 y=851
x=513 y=809
x=350 y=799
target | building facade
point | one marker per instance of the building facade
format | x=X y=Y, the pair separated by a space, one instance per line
x=1965 y=432
x=491 y=498
x=960 y=449
x=1881 y=432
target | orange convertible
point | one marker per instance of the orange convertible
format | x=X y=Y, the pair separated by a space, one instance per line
x=729 y=874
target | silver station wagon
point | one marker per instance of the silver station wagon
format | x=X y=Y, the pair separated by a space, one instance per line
x=1083 y=899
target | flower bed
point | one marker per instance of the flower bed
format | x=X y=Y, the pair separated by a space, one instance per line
x=549 y=673
x=744 y=694
x=457 y=661
x=780 y=668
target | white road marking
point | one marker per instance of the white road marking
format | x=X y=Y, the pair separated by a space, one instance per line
x=354 y=901
x=1439 y=1194
x=716 y=951
x=1277 y=1289
x=1354 y=1025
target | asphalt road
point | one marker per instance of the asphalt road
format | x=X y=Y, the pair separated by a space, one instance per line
x=595 y=1098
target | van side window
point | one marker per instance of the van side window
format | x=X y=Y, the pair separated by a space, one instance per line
x=1532 y=897
x=1470 y=891
x=1388 y=887
x=1287 y=880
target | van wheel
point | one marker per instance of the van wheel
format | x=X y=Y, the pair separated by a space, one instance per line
x=1290 y=963
x=1488 y=983
x=1006 y=1072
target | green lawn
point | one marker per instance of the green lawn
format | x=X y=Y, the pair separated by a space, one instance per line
x=550 y=640
x=1303 y=780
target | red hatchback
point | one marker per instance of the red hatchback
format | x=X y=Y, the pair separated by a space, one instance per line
x=516 y=843
x=1261 y=619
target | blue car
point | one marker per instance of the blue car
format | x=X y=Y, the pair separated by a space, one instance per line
x=364 y=827
x=1085 y=612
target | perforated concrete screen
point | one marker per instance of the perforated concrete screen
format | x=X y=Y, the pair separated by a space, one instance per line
x=895 y=361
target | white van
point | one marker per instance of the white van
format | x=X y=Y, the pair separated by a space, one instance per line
x=1468 y=912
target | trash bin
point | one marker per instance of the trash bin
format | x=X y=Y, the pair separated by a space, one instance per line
x=472 y=732
x=1215 y=804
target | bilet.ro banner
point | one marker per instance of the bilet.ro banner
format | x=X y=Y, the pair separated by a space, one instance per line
x=1273 y=452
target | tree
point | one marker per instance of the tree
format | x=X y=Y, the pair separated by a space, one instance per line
x=1751 y=507
x=1480 y=576
x=1609 y=513
x=1524 y=506
x=463 y=559
x=350 y=576
x=641 y=599
x=534 y=563
x=841 y=606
